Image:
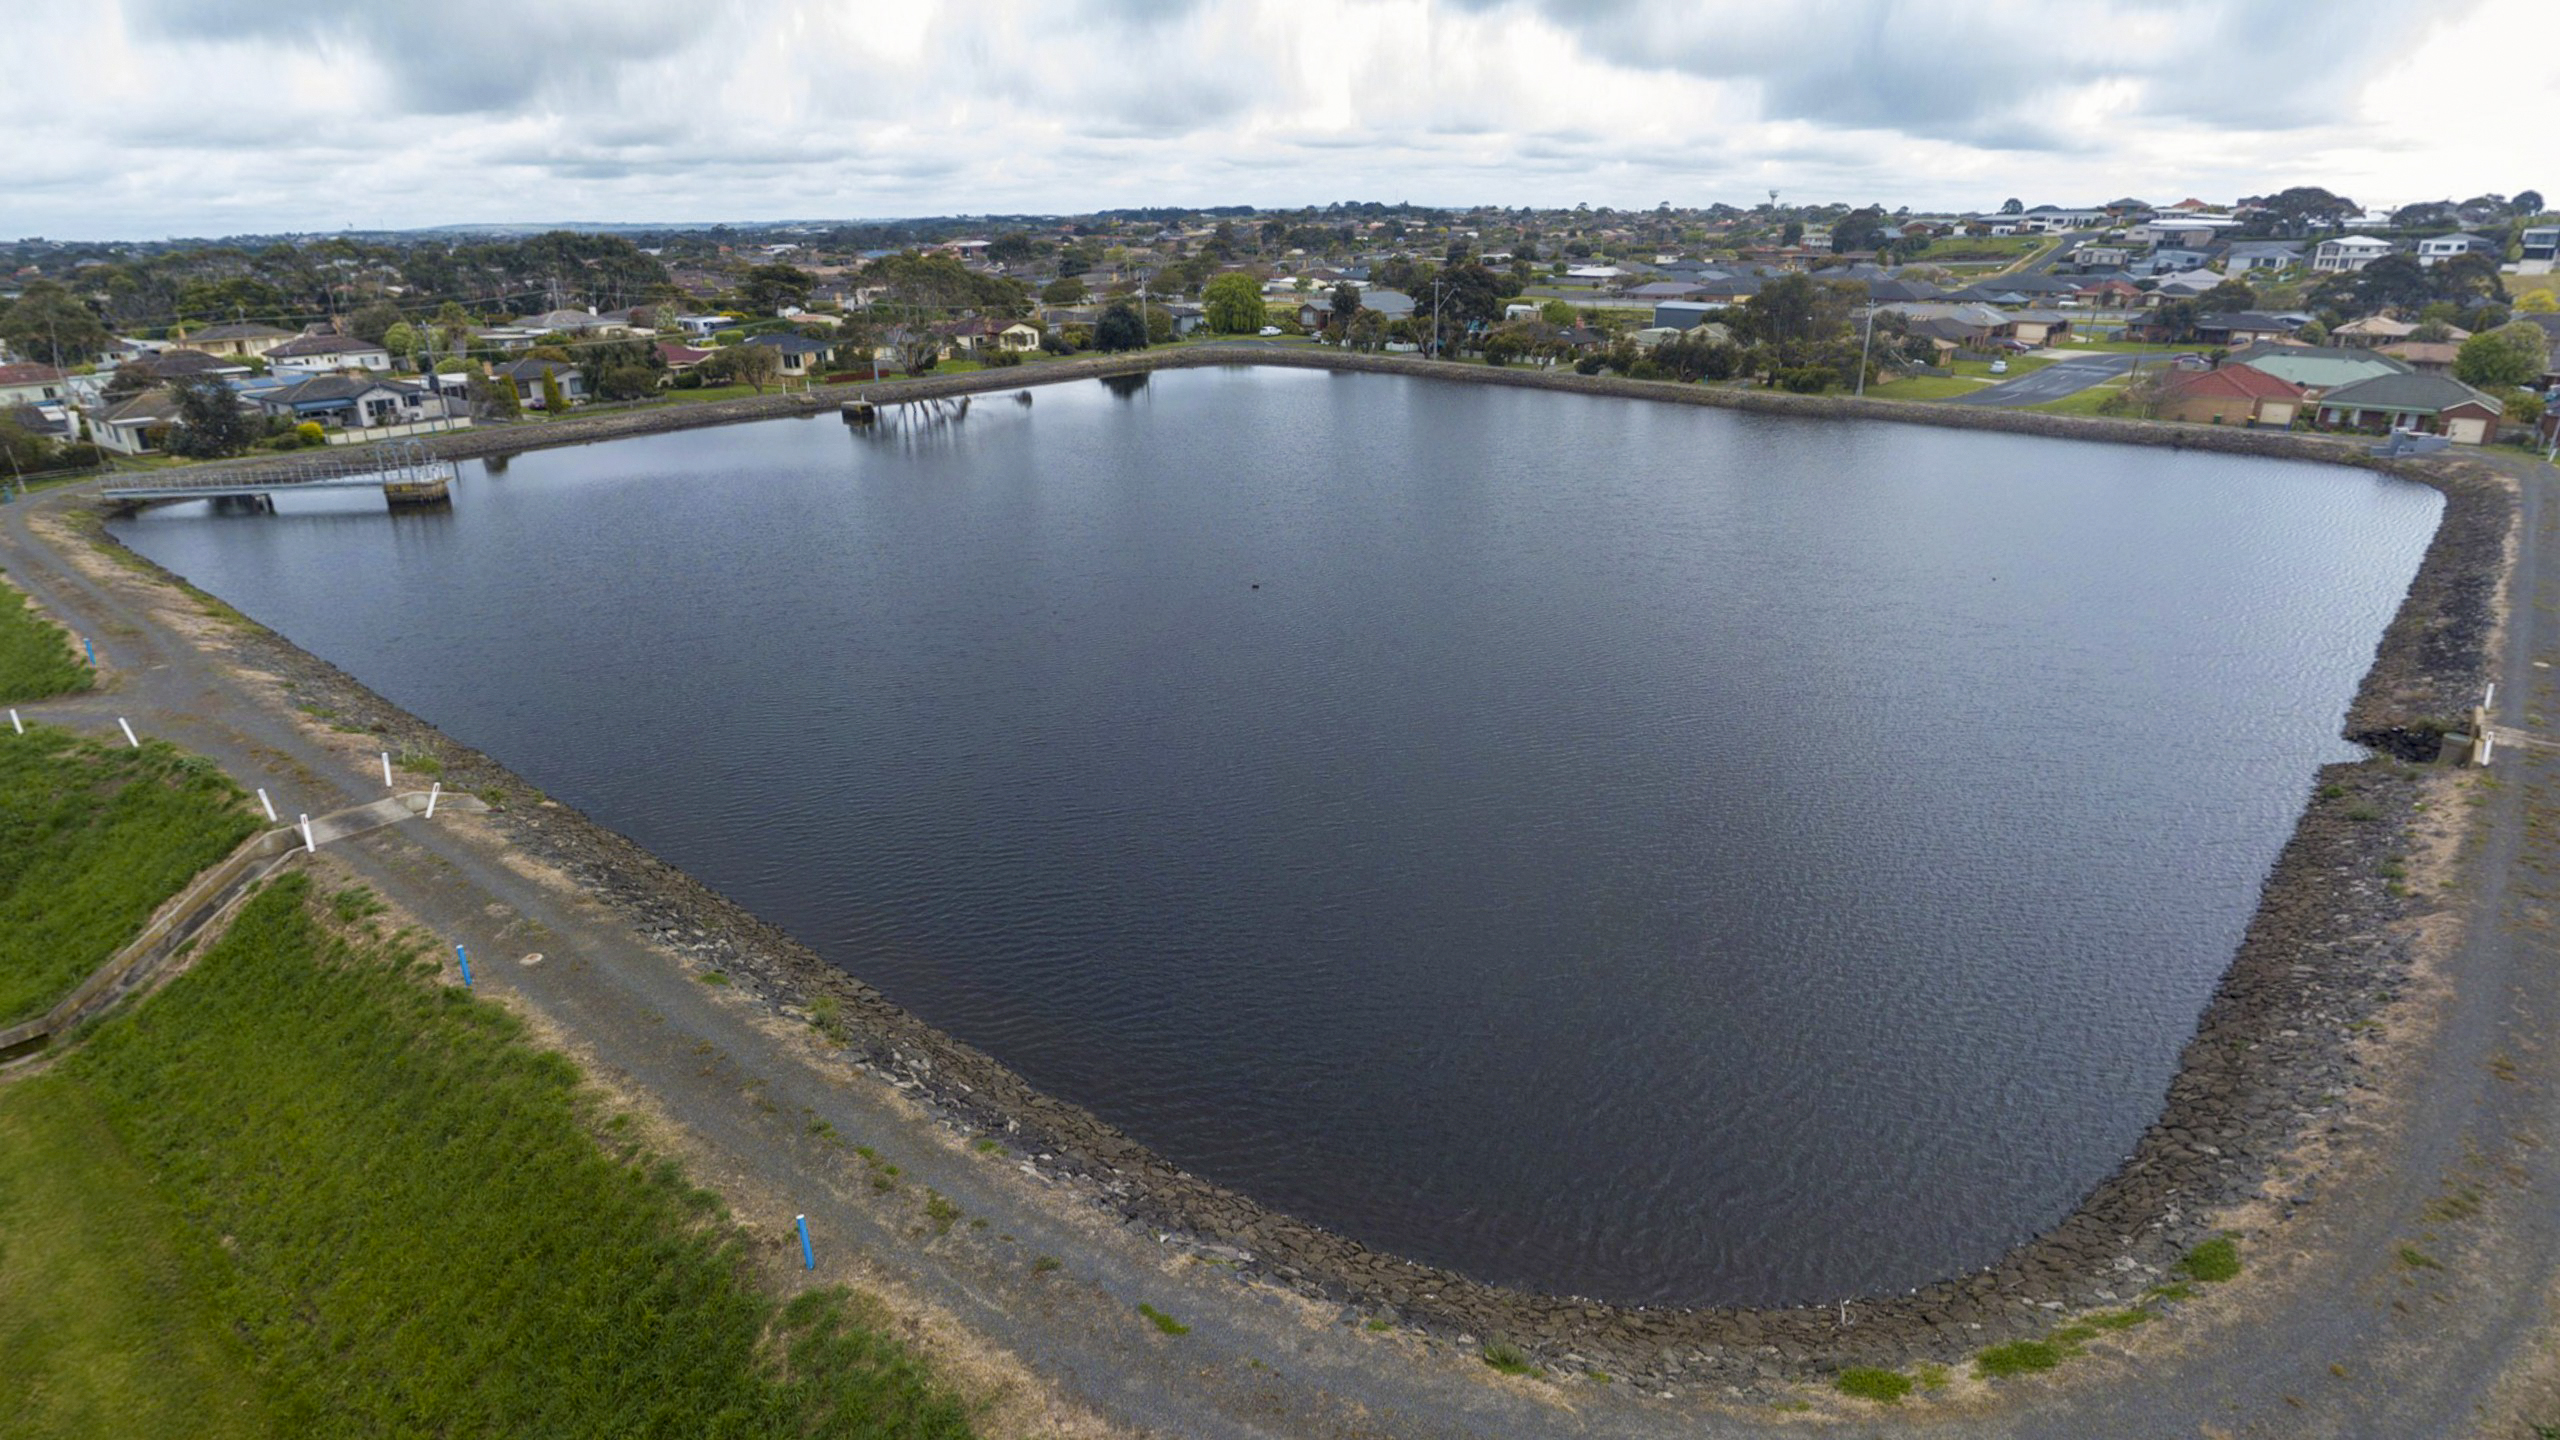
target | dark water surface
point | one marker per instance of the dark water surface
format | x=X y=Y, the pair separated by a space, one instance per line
x=1633 y=850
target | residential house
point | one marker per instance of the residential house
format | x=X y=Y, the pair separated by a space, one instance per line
x=2109 y=256
x=320 y=354
x=2319 y=369
x=2185 y=285
x=2427 y=357
x=1655 y=292
x=2040 y=327
x=1682 y=314
x=2539 y=249
x=2230 y=395
x=135 y=425
x=239 y=340
x=52 y=420
x=506 y=338
x=2247 y=328
x=679 y=357
x=2430 y=404
x=585 y=324
x=803 y=356
x=1188 y=319
x=2437 y=249
x=354 y=402
x=1971 y=326
x=2247 y=257
x=2373 y=331
x=2348 y=252
x=29 y=384
x=526 y=376
x=703 y=327
x=2108 y=295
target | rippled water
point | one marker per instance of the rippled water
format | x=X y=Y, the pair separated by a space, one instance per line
x=1630 y=850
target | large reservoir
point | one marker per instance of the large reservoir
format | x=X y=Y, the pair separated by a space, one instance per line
x=1631 y=850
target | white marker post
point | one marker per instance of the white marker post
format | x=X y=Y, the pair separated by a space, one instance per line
x=268 y=805
x=432 y=792
x=386 y=770
x=2490 y=700
x=128 y=733
x=309 y=845
x=17 y=724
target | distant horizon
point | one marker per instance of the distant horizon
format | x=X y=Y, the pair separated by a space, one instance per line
x=999 y=218
x=153 y=120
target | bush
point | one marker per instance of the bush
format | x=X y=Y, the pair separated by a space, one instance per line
x=1885 y=1387
x=1807 y=379
x=2018 y=1357
x=2216 y=1259
x=311 y=433
x=1004 y=357
x=1590 y=365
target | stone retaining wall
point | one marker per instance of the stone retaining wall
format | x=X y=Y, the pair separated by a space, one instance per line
x=2271 y=1063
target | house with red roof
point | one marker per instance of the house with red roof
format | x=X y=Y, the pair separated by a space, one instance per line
x=2230 y=395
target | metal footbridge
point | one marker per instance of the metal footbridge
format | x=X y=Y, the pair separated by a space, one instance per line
x=402 y=470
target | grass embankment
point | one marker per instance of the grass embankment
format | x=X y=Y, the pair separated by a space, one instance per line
x=307 y=1190
x=92 y=839
x=37 y=657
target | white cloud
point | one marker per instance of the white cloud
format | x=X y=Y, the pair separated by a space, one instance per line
x=163 y=117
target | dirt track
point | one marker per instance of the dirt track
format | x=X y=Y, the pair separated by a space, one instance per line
x=749 y=1087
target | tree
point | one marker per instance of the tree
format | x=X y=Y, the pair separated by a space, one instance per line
x=211 y=423
x=1558 y=313
x=2538 y=302
x=50 y=325
x=751 y=365
x=766 y=289
x=401 y=340
x=1858 y=230
x=2013 y=207
x=2227 y=298
x=1120 y=329
x=627 y=382
x=374 y=321
x=1234 y=304
x=1791 y=233
x=2527 y=203
x=2502 y=359
x=1346 y=305
x=1065 y=290
x=553 y=402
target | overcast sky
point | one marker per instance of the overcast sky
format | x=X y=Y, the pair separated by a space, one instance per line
x=149 y=118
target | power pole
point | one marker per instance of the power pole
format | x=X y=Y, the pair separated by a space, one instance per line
x=1867 y=348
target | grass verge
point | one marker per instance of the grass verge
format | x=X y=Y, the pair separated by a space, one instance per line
x=37 y=657
x=93 y=838
x=317 y=1193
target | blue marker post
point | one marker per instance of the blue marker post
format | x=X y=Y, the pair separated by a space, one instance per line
x=92 y=647
x=808 y=1257
x=464 y=960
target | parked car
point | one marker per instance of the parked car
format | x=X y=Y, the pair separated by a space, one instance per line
x=1999 y=367
x=1270 y=330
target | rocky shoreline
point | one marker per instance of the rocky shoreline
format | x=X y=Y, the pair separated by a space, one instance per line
x=2273 y=1063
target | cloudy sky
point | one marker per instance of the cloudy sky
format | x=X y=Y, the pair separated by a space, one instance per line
x=150 y=118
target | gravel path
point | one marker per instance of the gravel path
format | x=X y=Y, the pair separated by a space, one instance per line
x=2334 y=1332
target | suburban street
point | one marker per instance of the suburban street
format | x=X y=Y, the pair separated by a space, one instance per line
x=2053 y=382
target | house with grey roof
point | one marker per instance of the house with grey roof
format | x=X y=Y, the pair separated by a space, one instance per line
x=2248 y=256
x=319 y=354
x=2428 y=404
x=240 y=339
x=2319 y=368
x=2437 y=249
